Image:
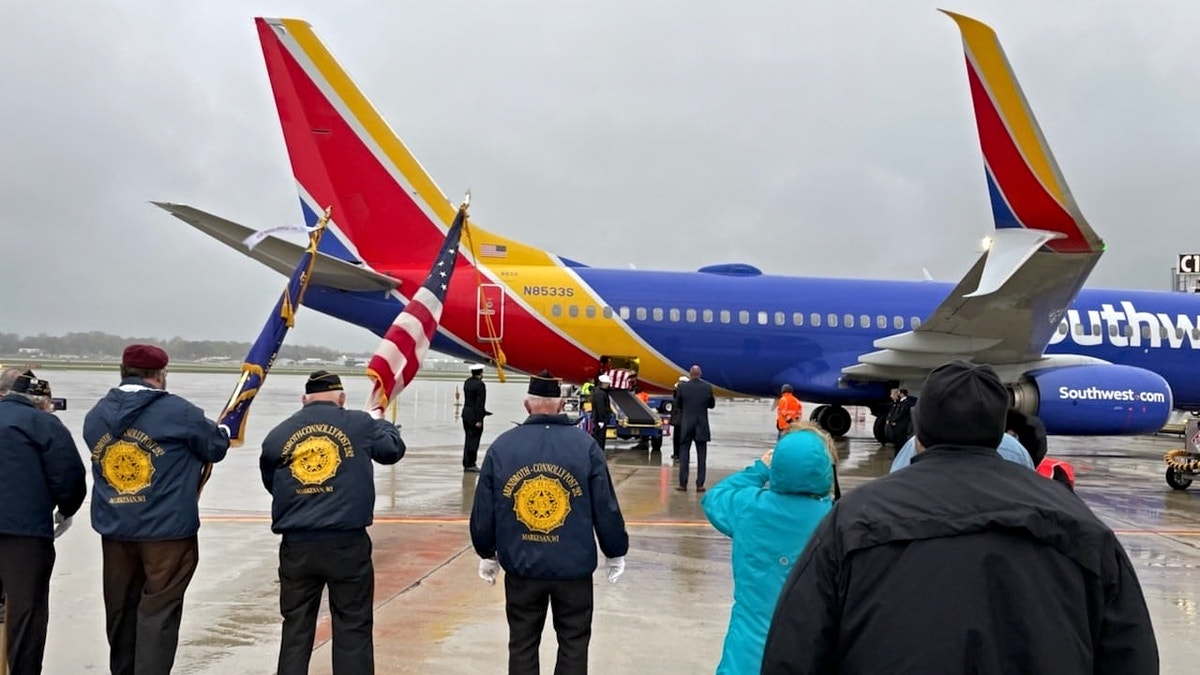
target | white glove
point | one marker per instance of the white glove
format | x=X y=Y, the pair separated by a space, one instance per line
x=376 y=413
x=488 y=569
x=228 y=433
x=616 y=567
x=61 y=524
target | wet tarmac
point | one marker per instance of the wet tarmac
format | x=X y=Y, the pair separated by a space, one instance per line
x=667 y=614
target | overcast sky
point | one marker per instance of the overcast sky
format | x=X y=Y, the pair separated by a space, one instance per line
x=827 y=139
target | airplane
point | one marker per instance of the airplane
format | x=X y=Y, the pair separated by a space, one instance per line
x=1086 y=361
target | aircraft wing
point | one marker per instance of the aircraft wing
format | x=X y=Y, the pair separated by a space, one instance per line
x=1007 y=307
x=281 y=255
x=1012 y=324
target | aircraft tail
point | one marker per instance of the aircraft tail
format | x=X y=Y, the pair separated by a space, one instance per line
x=387 y=212
x=1027 y=188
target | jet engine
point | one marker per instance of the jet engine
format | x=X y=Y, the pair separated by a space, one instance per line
x=1095 y=400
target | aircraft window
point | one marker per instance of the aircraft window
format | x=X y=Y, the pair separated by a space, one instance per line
x=573 y=311
x=607 y=312
x=1128 y=330
x=591 y=311
x=724 y=316
x=743 y=316
x=864 y=321
x=780 y=318
x=1096 y=330
x=691 y=316
x=762 y=318
x=1196 y=333
x=848 y=320
x=1146 y=332
x=1112 y=330
x=815 y=319
x=674 y=314
x=914 y=323
x=797 y=318
x=707 y=314
x=658 y=314
x=832 y=320
x=1062 y=328
x=1079 y=329
x=881 y=322
x=1178 y=333
x=641 y=313
x=623 y=313
x=556 y=310
x=898 y=322
x=1162 y=332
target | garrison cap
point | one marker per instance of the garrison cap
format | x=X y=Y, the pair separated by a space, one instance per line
x=546 y=385
x=321 y=381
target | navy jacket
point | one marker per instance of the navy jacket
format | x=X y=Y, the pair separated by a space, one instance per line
x=695 y=400
x=40 y=469
x=543 y=489
x=601 y=406
x=317 y=466
x=474 y=401
x=148 y=450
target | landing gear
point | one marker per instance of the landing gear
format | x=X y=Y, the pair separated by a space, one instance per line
x=832 y=418
x=880 y=429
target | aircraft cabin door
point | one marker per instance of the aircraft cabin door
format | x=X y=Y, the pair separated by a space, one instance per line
x=489 y=317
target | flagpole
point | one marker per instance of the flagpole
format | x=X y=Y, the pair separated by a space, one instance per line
x=266 y=347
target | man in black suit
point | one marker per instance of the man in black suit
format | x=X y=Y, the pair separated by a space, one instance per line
x=473 y=412
x=695 y=399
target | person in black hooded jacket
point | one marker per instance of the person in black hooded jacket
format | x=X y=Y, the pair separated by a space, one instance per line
x=962 y=562
x=149 y=451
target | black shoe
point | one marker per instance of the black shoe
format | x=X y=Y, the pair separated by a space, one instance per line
x=470 y=469
x=681 y=488
x=699 y=488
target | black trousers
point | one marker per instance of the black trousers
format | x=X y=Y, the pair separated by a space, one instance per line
x=25 y=566
x=144 y=584
x=600 y=434
x=525 y=605
x=685 y=456
x=471 y=443
x=305 y=569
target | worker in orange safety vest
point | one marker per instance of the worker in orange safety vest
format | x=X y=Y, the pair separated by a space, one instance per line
x=787 y=409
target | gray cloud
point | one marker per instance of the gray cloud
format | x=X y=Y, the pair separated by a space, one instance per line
x=802 y=138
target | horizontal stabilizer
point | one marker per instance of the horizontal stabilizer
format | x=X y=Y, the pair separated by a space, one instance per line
x=281 y=255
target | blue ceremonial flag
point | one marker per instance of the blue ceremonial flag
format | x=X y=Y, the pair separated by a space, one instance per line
x=264 y=350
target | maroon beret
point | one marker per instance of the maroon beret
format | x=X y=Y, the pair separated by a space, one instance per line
x=146 y=357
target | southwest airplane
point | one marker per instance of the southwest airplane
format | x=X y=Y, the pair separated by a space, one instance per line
x=1088 y=362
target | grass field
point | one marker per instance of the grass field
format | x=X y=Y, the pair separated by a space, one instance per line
x=199 y=367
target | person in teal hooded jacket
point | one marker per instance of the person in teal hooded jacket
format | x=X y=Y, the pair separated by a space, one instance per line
x=769 y=510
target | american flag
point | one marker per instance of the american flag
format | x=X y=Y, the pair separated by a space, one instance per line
x=396 y=361
x=622 y=378
x=493 y=250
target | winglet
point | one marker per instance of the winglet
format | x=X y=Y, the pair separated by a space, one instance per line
x=1025 y=184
